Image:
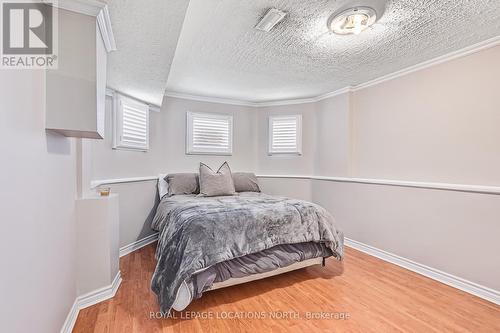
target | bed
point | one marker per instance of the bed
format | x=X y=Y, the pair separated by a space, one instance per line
x=206 y=243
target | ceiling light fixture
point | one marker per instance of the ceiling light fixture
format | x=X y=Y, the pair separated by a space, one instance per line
x=352 y=21
x=273 y=16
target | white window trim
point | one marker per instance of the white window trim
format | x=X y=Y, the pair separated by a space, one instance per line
x=118 y=101
x=189 y=134
x=270 y=151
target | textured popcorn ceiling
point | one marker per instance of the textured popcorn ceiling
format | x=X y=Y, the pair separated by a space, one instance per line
x=146 y=33
x=219 y=54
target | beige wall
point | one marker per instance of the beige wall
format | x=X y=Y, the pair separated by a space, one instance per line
x=137 y=205
x=293 y=188
x=435 y=125
x=167 y=143
x=439 y=124
x=454 y=232
x=166 y=154
x=302 y=165
x=333 y=150
x=37 y=213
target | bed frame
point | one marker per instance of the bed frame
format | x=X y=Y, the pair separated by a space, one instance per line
x=183 y=300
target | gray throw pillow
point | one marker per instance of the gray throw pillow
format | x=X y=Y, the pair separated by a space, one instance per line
x=245 y=182
x=182 y=183
x=216 y=183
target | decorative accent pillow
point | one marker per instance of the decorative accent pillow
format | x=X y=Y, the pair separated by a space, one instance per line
x=216 y=183
x=245 y=182
x=182 y=183
x=162 y=185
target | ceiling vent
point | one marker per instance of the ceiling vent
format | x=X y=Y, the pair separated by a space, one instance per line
x=272 y=17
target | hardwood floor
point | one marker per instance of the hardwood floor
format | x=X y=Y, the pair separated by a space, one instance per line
x=370 y=296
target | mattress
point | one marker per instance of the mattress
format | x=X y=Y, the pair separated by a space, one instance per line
x=277 y=257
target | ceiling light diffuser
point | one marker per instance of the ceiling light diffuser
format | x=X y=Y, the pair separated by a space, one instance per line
x=272 y=17
x=352 y=21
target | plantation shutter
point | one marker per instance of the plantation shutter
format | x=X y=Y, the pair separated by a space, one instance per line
x=209 y=133
x=132 y=124
x=285 y=135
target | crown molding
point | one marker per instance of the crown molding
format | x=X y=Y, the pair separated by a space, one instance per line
x=222 y=100
x=344 y=90
x=486 y=44
x=200 y=98
x=86 y=7
x=104 y=23
x=110 y=92
x=94 y=8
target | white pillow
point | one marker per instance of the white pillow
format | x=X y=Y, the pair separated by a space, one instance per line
x=162 y=185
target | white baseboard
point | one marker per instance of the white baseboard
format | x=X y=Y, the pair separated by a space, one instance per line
x=105 y=293
x=89 y=299
x=435 y=274
x=70 y=321
x=100 y=295
x=138 y=244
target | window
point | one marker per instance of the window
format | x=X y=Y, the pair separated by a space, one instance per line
x=209 y=133
x=131 y=125
x=285 y=134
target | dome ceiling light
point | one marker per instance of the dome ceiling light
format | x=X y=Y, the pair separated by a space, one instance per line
x=352 y=21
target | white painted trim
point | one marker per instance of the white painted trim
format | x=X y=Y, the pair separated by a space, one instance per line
x=222 y=100
x=435 y=274
x=86 y=7
x=70 y=321
x=94 y=8
x=486 y=44
x=110 y=92
x=286 y=176
x=402 y=183
x=494 y=190
x=124 y=250
x=154 y=108
x=209 y=99
x=104 y=23
x=335 y=93
x=96 y=183
x=101 y=294
x=89 y=299
x=425 y=185
x=105 y=293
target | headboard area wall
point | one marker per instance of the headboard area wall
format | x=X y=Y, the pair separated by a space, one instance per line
x=167 y=151
x=166 y=154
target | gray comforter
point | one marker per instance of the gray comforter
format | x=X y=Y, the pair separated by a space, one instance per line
x=199 y=232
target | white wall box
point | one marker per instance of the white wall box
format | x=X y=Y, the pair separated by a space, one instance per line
x=76 y=90
x=97 y=242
